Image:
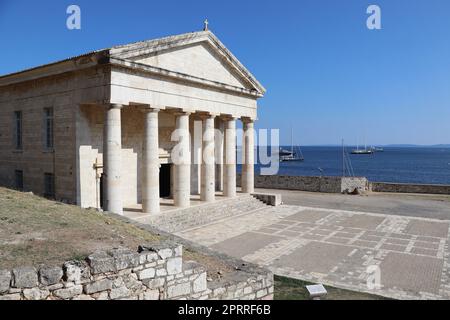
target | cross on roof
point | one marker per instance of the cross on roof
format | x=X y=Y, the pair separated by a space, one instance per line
x=205 y=28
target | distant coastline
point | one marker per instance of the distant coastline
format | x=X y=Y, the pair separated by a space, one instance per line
x=389 y=145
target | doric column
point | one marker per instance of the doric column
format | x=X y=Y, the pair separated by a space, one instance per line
x=248 y=184
x=181 y=158
x=150 y=162
x=112 y=158
x=229 y=169
x=219 y=152
x=208 y=185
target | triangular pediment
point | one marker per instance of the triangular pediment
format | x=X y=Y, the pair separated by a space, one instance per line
x=200 y=55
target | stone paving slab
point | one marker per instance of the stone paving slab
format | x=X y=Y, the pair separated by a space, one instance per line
x=245 y=243
x=340 y=248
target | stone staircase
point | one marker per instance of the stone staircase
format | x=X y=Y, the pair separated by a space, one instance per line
x=183 y=219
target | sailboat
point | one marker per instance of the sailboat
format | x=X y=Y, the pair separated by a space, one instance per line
x=362 y=151
x=295 y=154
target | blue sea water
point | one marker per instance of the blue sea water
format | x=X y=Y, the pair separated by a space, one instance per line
x=426 y=165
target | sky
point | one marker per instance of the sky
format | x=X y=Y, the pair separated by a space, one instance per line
x=327 y=75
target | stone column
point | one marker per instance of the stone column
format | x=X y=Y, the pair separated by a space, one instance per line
x=218 y=150
x=208 y=185
x=229 y=169
x=181 y=158
x=248 y=184
x=112 y=158
x=150 y=162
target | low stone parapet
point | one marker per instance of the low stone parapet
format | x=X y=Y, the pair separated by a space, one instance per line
x=349 y=185
x=409 y=188
x=154 y=272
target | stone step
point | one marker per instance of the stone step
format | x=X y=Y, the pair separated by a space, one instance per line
x=178 y=220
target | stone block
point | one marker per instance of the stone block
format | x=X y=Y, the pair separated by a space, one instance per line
x=15 y=296
x=178 y=290
x=83 y=297
x=25 y=277
x=124 y=258
x=154 y=283
x=5 y=280
x=146 y=274
x=174 y=265
x=200 y=284
x=97 y=286
x=101 y=262
x=142 y=258
x=161 y=272
x=101 y=296
x=75 y=271
x=118 y=293
x=165 y=253
x=164 y=250
x=35 y=294
x=248 y=290
x=50 y=275
x=261 y=293
x=151 y=295
x=178 y=251
x=219 y=291
x=68 y=293
x=152 y=257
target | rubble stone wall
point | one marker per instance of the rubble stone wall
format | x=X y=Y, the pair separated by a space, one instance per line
x=154 y=272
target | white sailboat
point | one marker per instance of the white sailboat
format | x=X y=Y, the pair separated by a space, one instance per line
x=295 y=154
x=362 y=151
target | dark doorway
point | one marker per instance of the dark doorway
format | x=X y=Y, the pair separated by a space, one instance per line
x=164 y=181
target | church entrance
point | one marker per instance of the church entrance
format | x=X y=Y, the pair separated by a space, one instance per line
x=164 y=181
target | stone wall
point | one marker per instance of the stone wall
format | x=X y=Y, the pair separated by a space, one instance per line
x=409 y=188
x=155 y=272
x=311 y=184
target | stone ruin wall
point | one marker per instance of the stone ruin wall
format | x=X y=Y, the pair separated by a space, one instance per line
x=155 y=272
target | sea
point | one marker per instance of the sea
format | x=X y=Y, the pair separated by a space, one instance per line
x=421 y=165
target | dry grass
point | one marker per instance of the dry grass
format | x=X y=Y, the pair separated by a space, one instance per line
x=36 y=231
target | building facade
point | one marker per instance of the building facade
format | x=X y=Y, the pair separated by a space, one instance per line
x=130 y=124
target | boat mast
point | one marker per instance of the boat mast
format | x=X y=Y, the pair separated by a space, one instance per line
x=292 y=140
x=343 y=159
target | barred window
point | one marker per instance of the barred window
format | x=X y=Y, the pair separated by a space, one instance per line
x=19 y=179
x=49 y=188
x=48 y=123
x=18 y=130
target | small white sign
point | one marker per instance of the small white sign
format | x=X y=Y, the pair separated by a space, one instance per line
x=316 y=291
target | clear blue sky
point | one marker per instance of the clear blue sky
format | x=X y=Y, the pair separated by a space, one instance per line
x=325 y=72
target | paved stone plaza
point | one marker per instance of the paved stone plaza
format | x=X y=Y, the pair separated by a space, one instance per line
x=336 y=247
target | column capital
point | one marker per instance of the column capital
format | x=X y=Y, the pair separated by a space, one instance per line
x=182 y=113
x=207 y=115
x=109 y=106
x=149 y=108
x=228 y=117
x=247 y=120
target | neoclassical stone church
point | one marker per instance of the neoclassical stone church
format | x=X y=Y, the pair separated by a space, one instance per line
x=96 y=130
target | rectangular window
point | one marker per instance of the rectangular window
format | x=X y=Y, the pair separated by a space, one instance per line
x=48 y=123
x=49 y=180
x=19 y=179
x=18 y=130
